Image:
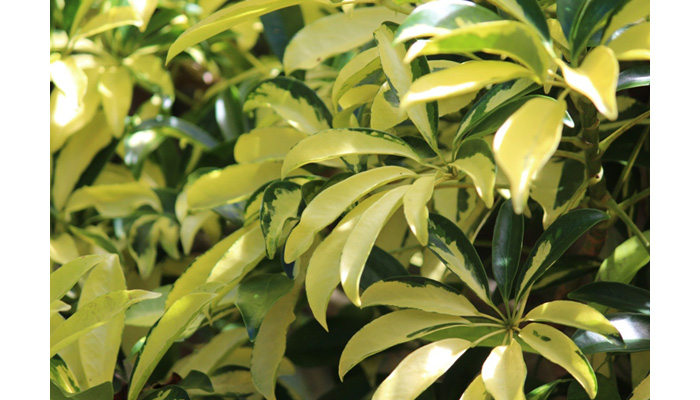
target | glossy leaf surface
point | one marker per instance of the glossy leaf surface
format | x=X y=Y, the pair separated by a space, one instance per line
x=615 y=295
x=507 y=244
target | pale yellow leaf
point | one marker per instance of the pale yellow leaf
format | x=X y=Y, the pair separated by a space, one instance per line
x=596 y=79
x=631 y=12
x=476 y=390
x=110 y=19
x=643 y=390
x=415 y=206
x=504 y=372
x=271 y=143
x=116 y=89
x=70 y=79
x=113 y=201
x=633 y=44
x=577 y=315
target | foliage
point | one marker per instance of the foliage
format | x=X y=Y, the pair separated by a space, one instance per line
x=243 y=188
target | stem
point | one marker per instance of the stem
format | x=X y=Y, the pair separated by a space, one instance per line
x=612 y=204
x=605 y=143
x=630 y=163
x=570 y=154
x=634 y=198
x=576 y=141
x=481 y=339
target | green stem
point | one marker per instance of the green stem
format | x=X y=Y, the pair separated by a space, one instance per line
x=630 y=163
x=605 y=143
x=570 y=154
x=614 y=207
x=634 y=198
x=576 y=141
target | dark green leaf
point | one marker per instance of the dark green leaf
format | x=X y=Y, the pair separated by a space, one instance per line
x=498 y=116
x=566 y=269
x=589 y=17
x=280 y=203
x=616 y=295
x=180 y=129
x=98 y=239
x=452 y=247
x=310 y=189
x=380 y=266
x=97 y=164
x=634 y=329
x=606 y=390
x=543 y=392
x=229 y=113
x=434 y=17
x=634 y=77
x=256 y=295
x=527 y=11
x=62 y=376
x=170 y=392
x=554 y=242
x=280 y=26
x=507 y=244
x=197 y=380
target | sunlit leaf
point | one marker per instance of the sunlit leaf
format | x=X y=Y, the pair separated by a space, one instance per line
x=504 y=372
x=415 y=206
x=596 y=79
x=244 y=253
x=625 y=261
x=475 y=158
x=280 y=203
x=558 y=187
x=527 y=11
x=211 y=354
x=110 y=19
x=180 y=129
x=634 y=328
x=359 y=68
x=633 y=44
x=65 y=277
x=113 y=201
x=269 y=143
x=632 y=11
x=437 y=18
x=70 y=79
x=577 y=315
x=116 y=90
x=148 y=69
x=476 y=390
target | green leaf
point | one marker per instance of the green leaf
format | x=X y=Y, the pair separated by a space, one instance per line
x=582 y=19
x=420 y=369
x=116 y=91
x=255 y=296
x=437 y=18
x=280 y=203
x=625 y=261
x=380 y=264
x=214 y=188
x=419 y=293
x=212 y=353
x=637 y=76
x=475 y=158
x=113 y=201
x=543 y=392
x=507 y=38
x=558 y=187
x=451 y=246
x=225 y=19
x=146 y=313
x=97 y=238
x=102 y=391
x=577 y=315
x=467 y=77
x=174 y=322
x=169 y=392
x=66 y=276
x=385 y=112
x=229 y=113
x=196 y=380
x=107 y=20
x=360 y=241
x=334 y=34
x=559 y=349
x=94 y=314
x=180 y=129
x=266 y=144
x=359 y=69
x=415 y=206
x=401 y=74
x=280 y=26
x=607 y=390
x=138 y=146
x=634 y=329
x=527 y=11
x=507 y=245
x=504 y=372
x=390 y=330
x=554 y=242
x=525 y=142
x=333 y=143
x=330 y=204
x=491 y=100
x=615 y=295
x=62 y=377
x=293 y=101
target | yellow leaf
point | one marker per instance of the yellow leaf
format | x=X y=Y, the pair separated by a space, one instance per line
x=144 y=9
x=63 y=248
x=415 y=206
x=271 y=143
x=596 y=79
x=559 y=349
x=64 y=278
x=504 y=372
x=70 y=79
x=420 y=369
x=67 y=116
x=476 y=390
x=577 y=315
x=149 y=69
x=643 y=390
x=245 y=252
x=116 y=89
x=633 y=44
x=475 y=158
x=112 y=18
x=631 y=12
x=208 y=357
x=385 y=112
x=525 y=142
x=358 y=95
x=113 y=201
x=356 y=70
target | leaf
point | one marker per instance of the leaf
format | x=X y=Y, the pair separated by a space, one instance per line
x=491 y=100
x=554 y=242
x=244 y=253
x=271 y=343
x=634 y=329
x=213 y=353
x=360 y=68
x=68 y=115
x=643 y=390
x=323 y=274
x=362 y=238
x=558 y=348
x=103 y=391
x=467 y=77
x=401 y=73
x=392 y=329
x=146 y=313
x=357 y=95
x=558 y=187
x=449 y=244
x=279 y=26
x=168 y=329
x=144 y=9
x=415 y=206
x=280 y=203
x=596 y=79
x=588 y=17
x=334 y=34
x=615 y=295
x=96 y=237
x=475 y=158
x=607 y=390
x=527 y=11
x=66 y=276
x=169 y=392
x=181 y=129
x=214 y=188
x=381 y=265
x=293 y=101
x=476 y=390
x=543 y=392
x=420 y=369
x=148 y=69
x=116 y=90
x=419 y=293
x=269 y=143
x=633 y=44
x=256 y=295
x=625 y=261
x=507 y=245
x=228 y=111
x=431 y=19
x=76 y=156
x=504 y=372
x=525 y=142
x=70 y=79
x=506 y=38
x=630 y=12
x=225 y=19
x=636 y=76
x=333 y=143
x=113 y=201
x=94 y=314
x=385 y=112
x=328 y=205
x=62 y=376
x=577 y=315
x=107 y=20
